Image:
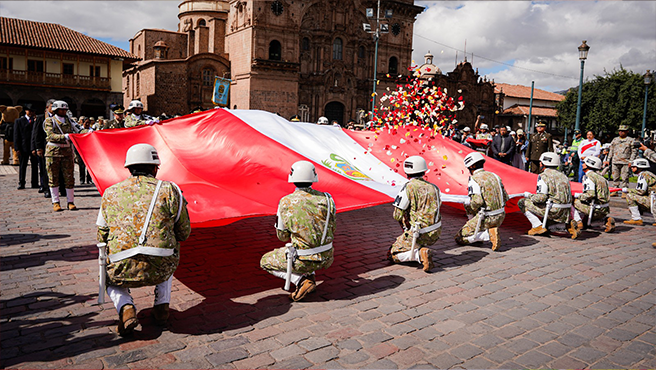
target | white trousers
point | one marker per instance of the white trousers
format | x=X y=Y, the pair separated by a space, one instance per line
x=635 y=213
x=409 y=256
x=481 y=236
x=70 y=197
x=296 y=278
x=121 y=296
x=54 y=195
x=576 y=215
x=533 y=219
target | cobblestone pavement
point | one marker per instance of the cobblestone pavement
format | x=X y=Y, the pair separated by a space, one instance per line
x=539 y=302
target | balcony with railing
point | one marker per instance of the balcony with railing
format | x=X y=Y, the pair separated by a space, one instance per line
x=54 y=79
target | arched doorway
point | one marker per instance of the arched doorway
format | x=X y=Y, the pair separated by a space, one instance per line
x=335 y=111
x=94 y=108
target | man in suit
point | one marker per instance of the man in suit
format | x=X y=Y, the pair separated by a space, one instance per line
x=503 y=146
x=23 y=146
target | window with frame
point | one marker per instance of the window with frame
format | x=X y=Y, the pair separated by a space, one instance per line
x=361 y=52
x=337 y=49
x=94 y=71
x=275 y=50
x=305 y=44
x=137 y=87
x=393 y=66
x=208 y=76
x=6 y=63
x=34 y=65
x=68 y=68
x=202 y=23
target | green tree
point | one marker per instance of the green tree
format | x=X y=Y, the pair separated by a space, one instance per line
x=617 y=98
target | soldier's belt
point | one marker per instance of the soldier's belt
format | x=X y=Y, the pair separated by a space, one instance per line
x=311 y=251
x=67 y=145
x=149 y=251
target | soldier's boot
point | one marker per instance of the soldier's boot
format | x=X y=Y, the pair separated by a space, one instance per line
x=538 y=231
x=623 y=195
x=306 y=286
x=635 y=216
x=580 y=225
x=573 y=229
x=654 y=245
x=495 y=238
x=161 y=313
x=426 y=257
x=389 y=255
x=610 y=225
x=127 y=320
x=72 y=207
x=56 y=207
x=460 y=240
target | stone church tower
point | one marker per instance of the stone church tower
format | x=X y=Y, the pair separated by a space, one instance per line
x=311 y=57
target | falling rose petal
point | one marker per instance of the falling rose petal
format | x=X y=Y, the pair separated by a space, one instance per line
x=392 y=160
x=394 y=147
x=447 y=190
x=445 y=157
x=459 y=151
x=443 y=166
x=431 y=163
x=389 y=153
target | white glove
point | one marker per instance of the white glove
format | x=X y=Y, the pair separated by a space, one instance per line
x=67 y=137
x=577 y=195
x=151 y=122
x=625 y=190
x=467 y=201
x=527 y=194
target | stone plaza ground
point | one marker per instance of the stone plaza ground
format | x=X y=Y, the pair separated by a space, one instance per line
x=539 y=302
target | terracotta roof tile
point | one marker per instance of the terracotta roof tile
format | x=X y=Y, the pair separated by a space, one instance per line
x=520 y=110
x=24 y=33
x=519 y=91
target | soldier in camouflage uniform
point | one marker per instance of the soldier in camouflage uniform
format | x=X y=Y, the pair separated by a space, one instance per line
x=485 y=206
x=135 y=117
x=553 y=190
x=134 y=261
x=59 y=153
x=643 y=197
x=595 y=194
x=307 y=218
x=417 y=208
x=117 y=122
x=620 y=155
x=540 y=142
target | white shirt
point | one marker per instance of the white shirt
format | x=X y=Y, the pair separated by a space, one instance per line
x=589 y=148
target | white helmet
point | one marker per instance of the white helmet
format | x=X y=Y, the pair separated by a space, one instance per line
x=473 y=158
x=414 y=165
x=483 y=126
x=550 y=159
x=508 y=128
x=303 y=171
x=141 y=154
x=59 y=104
x=466 y=129
x=640 y=163
x=322 y=121
x=592 y=162
x=135 y=104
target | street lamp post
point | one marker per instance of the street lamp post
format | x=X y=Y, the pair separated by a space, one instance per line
x=380 y=28
x=648 y=79
x=583 y=55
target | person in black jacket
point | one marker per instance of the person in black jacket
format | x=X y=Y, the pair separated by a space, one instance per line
x=23 y=146
x=503 y=146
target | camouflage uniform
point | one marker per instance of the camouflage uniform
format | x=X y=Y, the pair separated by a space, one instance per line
x=620 y=155
x=539 y=143
x=650 y=155
x=132 y=120
x=641 y=196
x=486 y=192
x=554 y=185
x=122 y=215
x=59 y=151
x=302 y=218
x=423 y=209
x=595 y=188
x=113 y=124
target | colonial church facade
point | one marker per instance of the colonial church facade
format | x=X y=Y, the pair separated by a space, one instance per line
x=308 y=58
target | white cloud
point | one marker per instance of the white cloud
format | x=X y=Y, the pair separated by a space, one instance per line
x=539 y=36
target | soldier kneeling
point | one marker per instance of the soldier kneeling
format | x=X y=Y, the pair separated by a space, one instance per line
x=552 y=200
x=594 y=199
x=307 y=218
x=485 y=206
x=643 y=197
x=417 y=208
x=142 y=220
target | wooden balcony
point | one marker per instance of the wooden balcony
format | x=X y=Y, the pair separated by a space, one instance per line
x=54 y=79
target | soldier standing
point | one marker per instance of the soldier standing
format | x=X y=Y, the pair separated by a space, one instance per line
x=552 y=197
x=417 y=208
x=486 y=204
x=539 y=143
x=135 y=116
x=307 y=218
x=59 y=153
x=643 y=197
x=620 y=155
x=142 y=220
x=117 y=121
x=595 y=195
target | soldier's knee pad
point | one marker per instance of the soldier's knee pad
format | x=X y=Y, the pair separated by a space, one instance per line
x=522 y=205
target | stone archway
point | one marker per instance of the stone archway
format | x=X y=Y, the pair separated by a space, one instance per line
x=93 y=108
x=335 y=111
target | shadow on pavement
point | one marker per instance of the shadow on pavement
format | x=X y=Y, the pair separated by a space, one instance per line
x=73 y=254
x=14 y=239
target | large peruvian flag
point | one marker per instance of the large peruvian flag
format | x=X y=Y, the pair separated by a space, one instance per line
x=233 y=164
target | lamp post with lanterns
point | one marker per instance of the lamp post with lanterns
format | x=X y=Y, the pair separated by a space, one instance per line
x=583 y=55
x=380 y=29
x=648 y=79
